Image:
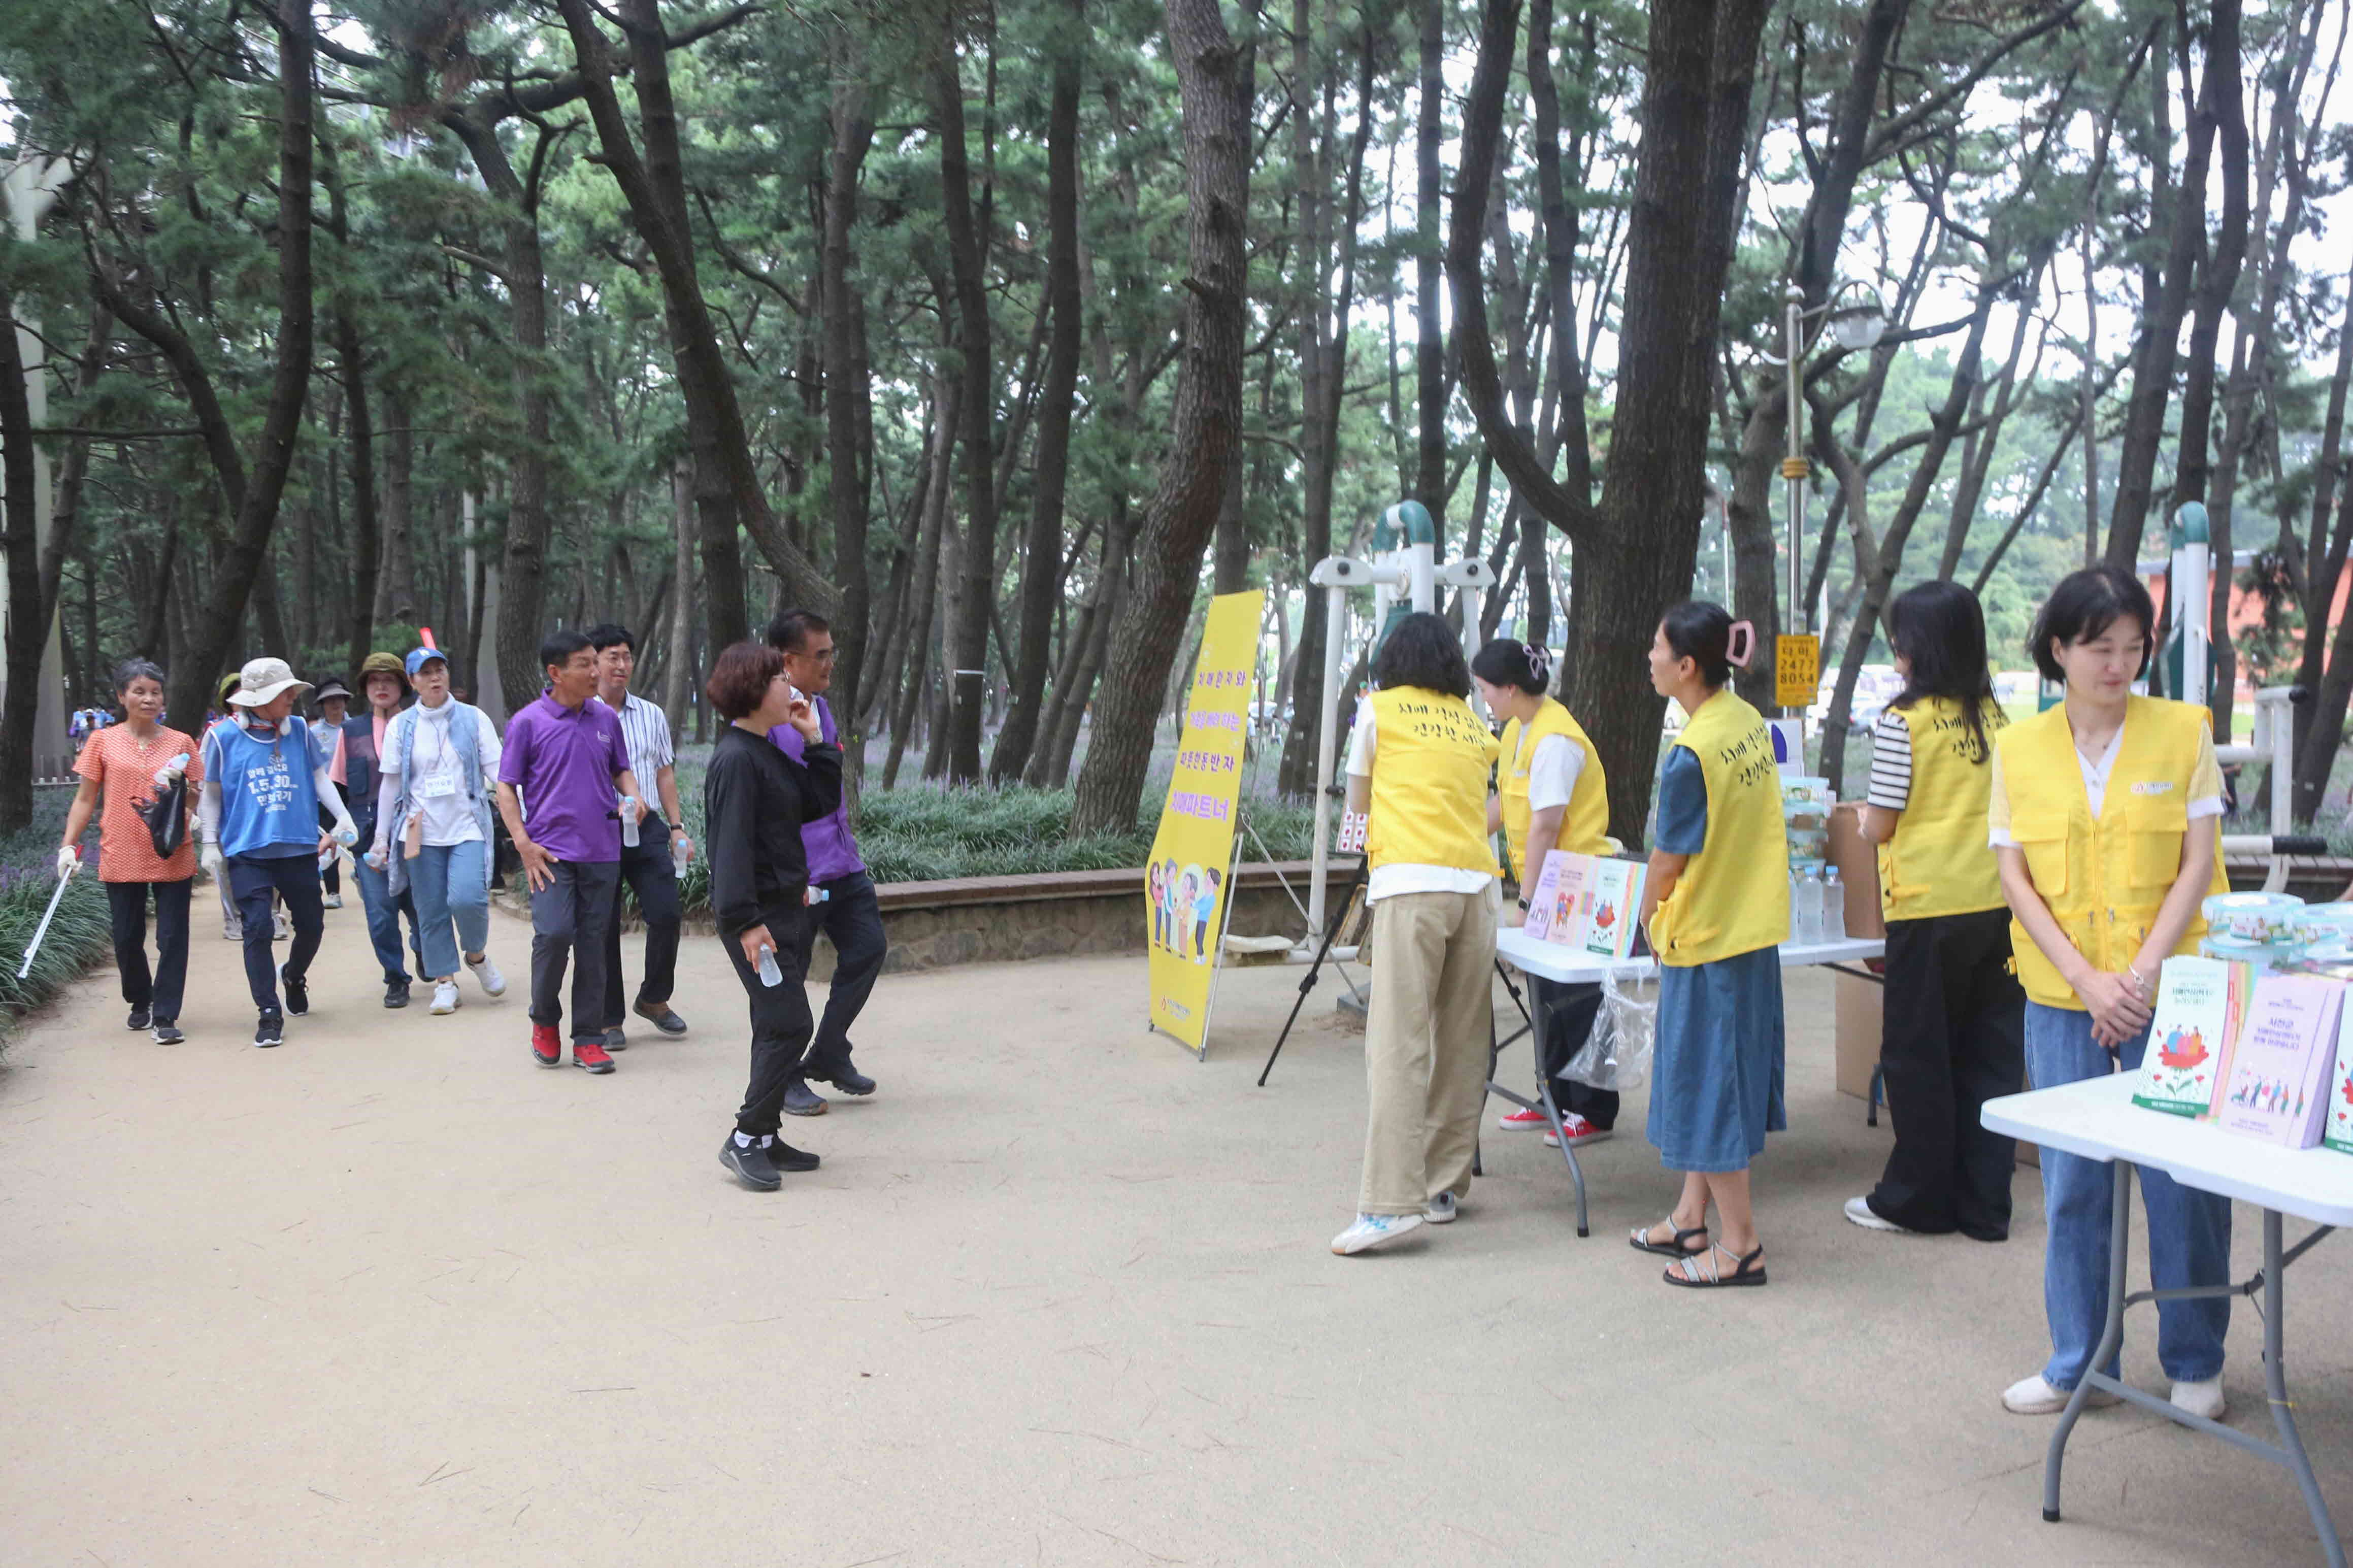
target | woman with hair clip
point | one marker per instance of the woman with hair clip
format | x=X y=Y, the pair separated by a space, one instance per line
x=1717 y=908
x=2104 y=814
x=1955 y=1017
x=125 y=767
x=1550 y=794
x=1417 y=767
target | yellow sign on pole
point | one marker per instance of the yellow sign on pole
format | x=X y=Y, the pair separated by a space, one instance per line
x=1186 y=886
x=1797 y=669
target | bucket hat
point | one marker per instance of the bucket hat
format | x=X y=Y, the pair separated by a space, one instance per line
x=264 y=680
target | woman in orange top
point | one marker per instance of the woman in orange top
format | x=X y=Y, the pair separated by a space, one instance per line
x=127 y=765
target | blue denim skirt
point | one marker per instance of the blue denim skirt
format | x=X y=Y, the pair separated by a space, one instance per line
x=1717 y=1062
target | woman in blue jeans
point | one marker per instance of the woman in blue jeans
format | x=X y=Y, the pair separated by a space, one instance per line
x=433 y=826
x=2104 y=816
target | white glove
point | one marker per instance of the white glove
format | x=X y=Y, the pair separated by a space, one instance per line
x=68 y=859
x=379 y=855
x=210 y=860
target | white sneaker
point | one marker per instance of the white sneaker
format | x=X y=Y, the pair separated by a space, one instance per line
x=2034 y=1396
x=232 y=930
x=283 y=930
x=332 y=901
x=1373 y=1230
x=1580 y=1131
x=1859 y=1212
x=493 y=983
x=445 y=996
x=1442 y=1209
x=2201 y=1398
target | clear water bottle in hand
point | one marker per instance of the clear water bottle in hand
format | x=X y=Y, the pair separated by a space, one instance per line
x=165 y=775
x=770 y=974
x=629 y=823
x=678 y=855
x=1833 y=906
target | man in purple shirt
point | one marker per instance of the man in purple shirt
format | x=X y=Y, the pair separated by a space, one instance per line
x=847 y=911
x=562 y=760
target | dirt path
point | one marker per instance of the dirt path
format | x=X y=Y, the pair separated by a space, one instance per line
x=393 y=1294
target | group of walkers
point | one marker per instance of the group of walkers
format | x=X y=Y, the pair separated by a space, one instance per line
x=410 y=784
x=2033 y=876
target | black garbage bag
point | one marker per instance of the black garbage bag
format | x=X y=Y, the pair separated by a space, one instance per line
x=166 y=816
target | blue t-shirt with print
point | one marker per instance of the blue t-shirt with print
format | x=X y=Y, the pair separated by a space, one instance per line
x=269 y=805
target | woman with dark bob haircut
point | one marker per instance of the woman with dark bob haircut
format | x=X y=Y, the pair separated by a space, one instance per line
x=754 y=800
x=1418 y=766
x=1716 y=905
x=2105 y=820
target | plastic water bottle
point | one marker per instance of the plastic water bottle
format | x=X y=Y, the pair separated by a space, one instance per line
x=1807 y=928
x=178 y=764
x=1833 y=906
x=769 y=973
x=677 y=855
x=1795 y=927
x=347 y=837
x=630 y=826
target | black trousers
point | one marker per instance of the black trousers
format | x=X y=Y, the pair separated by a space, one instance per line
x=780 y=1022
x=568 y=918
x=851 y=920
x=646 y=869
x=1574 y=1008
x=158 y=992
x=295 y=878
x=1954 y=1037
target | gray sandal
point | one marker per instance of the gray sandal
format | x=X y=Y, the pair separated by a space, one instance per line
x=1750 y=1270
x=1640 y=1240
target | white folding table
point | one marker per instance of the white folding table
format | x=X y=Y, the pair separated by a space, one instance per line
x=1548 y=961
x=2097 y=1120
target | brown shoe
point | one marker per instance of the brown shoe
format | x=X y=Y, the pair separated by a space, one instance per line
x=660 y=1015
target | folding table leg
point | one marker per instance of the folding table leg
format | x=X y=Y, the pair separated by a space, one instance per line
x=2276 y=1385
x=2111 y=1338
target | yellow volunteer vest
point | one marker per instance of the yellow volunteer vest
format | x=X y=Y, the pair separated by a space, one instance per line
x=2103 y=877
x=1733 y=895
x=1938 y=862
x=1431 y=759
x=1585 y=826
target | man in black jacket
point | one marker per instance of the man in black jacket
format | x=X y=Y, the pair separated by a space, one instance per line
x=384 y=684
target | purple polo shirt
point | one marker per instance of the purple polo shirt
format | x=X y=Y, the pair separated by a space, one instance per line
x=562 y=762
x=832 y=849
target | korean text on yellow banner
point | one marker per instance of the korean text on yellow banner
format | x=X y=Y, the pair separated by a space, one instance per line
x=1185 y=886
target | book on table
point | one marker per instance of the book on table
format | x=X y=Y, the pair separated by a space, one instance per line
x=2279 y=1067
x=2200 y=1002
x=1557 y=902
x=2337 y=1127
x=1614 y=907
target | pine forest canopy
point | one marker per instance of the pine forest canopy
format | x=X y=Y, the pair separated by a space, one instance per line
x=1002 y=336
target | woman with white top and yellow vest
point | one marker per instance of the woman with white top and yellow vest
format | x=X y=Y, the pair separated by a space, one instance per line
x=1955 y=1017
x=1716 y=906
x=2106 y=816
x=1550 y=794
x=1417 y=764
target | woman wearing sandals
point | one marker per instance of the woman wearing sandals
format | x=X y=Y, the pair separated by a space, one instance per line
x=1549 y=794
x=1418 y=766
x=2104 y=816
x=1955 y=1015
x=1716 y=906
x=127 y=764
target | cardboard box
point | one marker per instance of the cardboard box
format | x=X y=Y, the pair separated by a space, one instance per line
x=1857 y=1039
x=1858 y=868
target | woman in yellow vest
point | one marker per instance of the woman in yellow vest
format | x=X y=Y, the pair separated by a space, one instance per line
x=1550 y=794
x=1716 y=905
x=1955 y=1017
x=2106 y=818
x=1417 y=764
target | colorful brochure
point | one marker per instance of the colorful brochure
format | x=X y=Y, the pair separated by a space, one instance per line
x=1556 y=903
x=2337 y=1129
x=2279 y=1069
x=2199 y=1005
x=1614 y=907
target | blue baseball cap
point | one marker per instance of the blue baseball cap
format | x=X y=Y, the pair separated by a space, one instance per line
x=418 y=657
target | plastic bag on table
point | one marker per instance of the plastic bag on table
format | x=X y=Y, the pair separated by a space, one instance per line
x=1617 y=1054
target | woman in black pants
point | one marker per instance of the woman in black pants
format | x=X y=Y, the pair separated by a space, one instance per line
x=754 y=800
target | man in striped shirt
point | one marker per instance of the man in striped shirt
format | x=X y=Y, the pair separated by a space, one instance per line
x=647 y=866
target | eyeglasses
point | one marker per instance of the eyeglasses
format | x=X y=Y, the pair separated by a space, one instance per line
x=823 y=656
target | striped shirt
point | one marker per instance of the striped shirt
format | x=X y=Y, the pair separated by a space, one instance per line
x=645 y=730
x=1891 y=762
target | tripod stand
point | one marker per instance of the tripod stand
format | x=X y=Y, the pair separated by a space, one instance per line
x=1331 y=934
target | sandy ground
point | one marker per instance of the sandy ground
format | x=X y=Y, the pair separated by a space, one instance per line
x=393 y=1294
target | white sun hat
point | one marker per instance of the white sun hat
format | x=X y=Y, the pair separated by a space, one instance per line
x=264 y=680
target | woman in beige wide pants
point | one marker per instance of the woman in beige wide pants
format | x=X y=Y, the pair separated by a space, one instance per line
x=1418 y=763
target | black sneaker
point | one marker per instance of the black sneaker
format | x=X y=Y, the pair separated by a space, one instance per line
x=799 y=1102
x=139 y=1018
x=848 y=1080
x=783 y=1156
x=167 y=1033
x=271 y=1030
x=395 y=993
x=751 y=1166
x=297 y=994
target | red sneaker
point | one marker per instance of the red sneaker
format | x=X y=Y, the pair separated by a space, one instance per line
x=1522 y=1122
x=1580 y=1131
x=547 y=1048
x=588 y=1054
